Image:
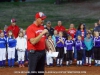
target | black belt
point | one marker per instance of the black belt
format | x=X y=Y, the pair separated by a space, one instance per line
x=33 y=51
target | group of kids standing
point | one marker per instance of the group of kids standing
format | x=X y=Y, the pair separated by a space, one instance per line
x=77 y=44
x=8 y=46
x=81 y=44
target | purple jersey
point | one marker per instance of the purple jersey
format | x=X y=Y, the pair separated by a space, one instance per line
x=97 y=41
x=69 y=44
x=60 y=44
x=79 y=45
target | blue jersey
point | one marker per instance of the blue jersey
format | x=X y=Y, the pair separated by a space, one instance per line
x=11 y=42
x=59 y=44
x=69 y=44
x=79 y=45
x=97 y=41
x=3 y=43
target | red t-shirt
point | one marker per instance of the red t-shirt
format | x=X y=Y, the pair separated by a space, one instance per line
x=82 y=34
x=72 y=32
x=32 y=32
x=15 y=30
x=60 y=28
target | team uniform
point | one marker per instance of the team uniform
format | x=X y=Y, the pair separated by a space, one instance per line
x=88 y=50
x=2 y=51
x=21 y=46
x=51 y=49
x=11 y=51
x=79 y=45
x=60 y=49
x=97 y=50
x=69 y=45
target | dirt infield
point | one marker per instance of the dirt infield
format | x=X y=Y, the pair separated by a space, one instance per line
x=72 y=70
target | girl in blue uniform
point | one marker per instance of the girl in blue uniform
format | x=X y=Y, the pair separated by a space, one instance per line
x=97 y=49
x=60 y=48
x=11 y=49
x=79 y=45
x=2 y=50
x=70 y=49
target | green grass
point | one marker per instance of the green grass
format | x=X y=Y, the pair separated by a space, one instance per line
x=68 y=13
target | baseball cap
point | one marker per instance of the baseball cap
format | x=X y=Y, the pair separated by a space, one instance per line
x=40 y=15
x=13 y=20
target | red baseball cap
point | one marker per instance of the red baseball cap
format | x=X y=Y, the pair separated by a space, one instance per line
x=13 y=20
x=40 y=15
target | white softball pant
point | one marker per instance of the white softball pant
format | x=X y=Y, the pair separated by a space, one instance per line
x=2 y=54
x=21 y=55
x=49 y=58
x=11 y=53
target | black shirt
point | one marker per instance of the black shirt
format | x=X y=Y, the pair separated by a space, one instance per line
x=51 y=30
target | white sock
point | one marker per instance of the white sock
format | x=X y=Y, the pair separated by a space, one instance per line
x=80 y=62
x=96 y=61
x=51 y=60
x=57 y=61
x=48 y=61
x=77 y=62
x=61 y=61
x=70 y=61
x=89 y=60
x=67 y=62
x=86 y=60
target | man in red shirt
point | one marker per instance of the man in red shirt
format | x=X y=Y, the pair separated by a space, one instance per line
x=72 y=31
x=59 y=27
x=36 y=45
x=14 y=28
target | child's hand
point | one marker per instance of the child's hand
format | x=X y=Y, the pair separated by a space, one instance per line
x=18 y=49
x=81 y=47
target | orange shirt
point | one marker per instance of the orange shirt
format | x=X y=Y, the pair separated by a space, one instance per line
x=32 y=32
